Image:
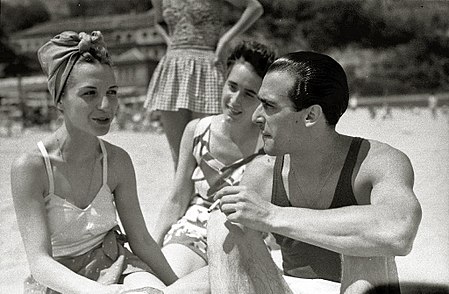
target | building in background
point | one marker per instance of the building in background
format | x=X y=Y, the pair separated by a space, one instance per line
x=133 y=43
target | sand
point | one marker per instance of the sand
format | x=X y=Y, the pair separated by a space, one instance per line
x=423 y=138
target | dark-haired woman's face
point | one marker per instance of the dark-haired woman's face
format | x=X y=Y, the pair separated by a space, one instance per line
x=239 y=97
x=90 y=99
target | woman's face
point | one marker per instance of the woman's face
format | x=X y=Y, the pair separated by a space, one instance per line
x=90 y=100
x=239 y=97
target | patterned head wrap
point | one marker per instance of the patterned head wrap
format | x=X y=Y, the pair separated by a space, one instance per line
x=58 y=56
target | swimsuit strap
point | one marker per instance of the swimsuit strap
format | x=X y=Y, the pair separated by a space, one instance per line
x=105 y=162
x=47 y=166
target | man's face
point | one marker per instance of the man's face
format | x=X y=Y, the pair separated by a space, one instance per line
x=276 y=116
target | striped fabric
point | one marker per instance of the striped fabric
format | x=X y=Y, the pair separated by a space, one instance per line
x=209 y=175
x=189 y=79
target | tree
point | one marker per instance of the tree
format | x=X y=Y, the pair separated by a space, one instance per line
x=83 y=8
x=18 y=17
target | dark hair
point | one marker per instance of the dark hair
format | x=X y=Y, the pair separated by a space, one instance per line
x=258 y=55
x=319 y=79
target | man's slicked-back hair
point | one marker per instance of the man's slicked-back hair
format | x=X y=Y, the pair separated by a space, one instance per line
x=319 y=79
x=257 y=54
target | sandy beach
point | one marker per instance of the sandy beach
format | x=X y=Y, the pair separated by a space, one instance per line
x=423 y=138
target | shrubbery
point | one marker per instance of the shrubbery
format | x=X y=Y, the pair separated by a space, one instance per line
x=394 y=46
x=399 y=46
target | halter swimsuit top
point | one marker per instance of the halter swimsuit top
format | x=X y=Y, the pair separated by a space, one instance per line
x=211 y=175
x=74 y=230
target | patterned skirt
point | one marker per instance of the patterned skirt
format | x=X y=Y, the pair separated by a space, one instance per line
x=107 y=264
x=189 y=79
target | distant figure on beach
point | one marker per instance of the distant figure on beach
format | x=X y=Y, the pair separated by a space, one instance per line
x=387 y=111
x=341 y=207
x=68 y=190
x=353 y=102
x=215 y=152
x=432 y=103
x=188 y=80
x=372 y=111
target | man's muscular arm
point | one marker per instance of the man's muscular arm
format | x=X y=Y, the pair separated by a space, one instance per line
x=385 y=227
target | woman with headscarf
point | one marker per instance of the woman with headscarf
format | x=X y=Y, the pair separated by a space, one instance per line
x=68 y=190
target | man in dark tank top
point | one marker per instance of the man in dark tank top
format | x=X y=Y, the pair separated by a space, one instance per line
x=341 y=208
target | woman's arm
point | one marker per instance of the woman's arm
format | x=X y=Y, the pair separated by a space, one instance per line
x=28 y=182
x=158 y=20
x=253 y=10
x=130 y=213
x=179 y=198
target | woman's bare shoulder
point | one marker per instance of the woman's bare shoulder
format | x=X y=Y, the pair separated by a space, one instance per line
x=31 y=160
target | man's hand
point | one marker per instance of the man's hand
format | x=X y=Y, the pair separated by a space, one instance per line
x=244 y=206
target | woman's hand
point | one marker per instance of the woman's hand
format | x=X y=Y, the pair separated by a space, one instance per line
x=221 y=51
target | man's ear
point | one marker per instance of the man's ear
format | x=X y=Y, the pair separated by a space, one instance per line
x=313 y=114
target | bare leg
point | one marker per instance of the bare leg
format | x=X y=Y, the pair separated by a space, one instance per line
x=174 y=123
x=182 y=259
x=196 y=282
x=142 y=280
x=239 y=261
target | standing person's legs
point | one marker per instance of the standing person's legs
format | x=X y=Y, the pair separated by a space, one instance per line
x=239 y=261
x=182 y=259
x=174 y=123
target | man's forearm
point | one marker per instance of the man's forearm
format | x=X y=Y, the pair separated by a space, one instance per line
x=364 y=230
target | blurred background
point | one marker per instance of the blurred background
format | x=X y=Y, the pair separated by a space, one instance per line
x=395 y=52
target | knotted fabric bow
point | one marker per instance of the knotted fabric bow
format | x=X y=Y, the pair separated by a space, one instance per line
x=58 y=56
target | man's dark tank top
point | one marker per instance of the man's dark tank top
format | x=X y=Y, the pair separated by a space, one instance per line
x=304 y=260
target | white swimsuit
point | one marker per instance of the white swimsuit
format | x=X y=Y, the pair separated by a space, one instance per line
x=75 y=231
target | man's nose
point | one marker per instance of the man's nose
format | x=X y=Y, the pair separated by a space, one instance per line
x=257 y=117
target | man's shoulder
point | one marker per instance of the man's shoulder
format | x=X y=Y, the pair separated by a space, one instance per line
x=263 y=162
x=259 y=174
x=380 y=150
x=380 y=157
